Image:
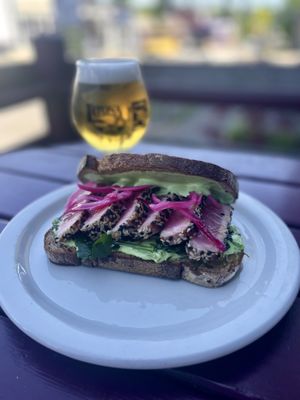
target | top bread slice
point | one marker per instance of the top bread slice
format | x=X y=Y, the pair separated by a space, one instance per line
x=118 y=163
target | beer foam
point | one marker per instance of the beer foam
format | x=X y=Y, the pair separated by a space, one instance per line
x=108 y=70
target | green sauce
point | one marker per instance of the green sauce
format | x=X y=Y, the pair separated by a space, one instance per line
x=168 y=182
x=148 y=250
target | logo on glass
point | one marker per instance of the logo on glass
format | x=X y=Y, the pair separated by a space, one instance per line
x=108 y=118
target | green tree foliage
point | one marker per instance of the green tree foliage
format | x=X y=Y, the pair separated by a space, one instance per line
x=288 y=18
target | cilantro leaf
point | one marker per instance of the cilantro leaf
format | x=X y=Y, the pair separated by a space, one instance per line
x=102 y=247
x=55 y=224
x=83 y=246
x=87 y=249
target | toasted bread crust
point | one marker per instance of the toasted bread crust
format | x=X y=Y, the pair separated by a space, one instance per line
x=58 y=253
x=126 y=263
x=199 y=274
x=118 y=163
x=213 y=275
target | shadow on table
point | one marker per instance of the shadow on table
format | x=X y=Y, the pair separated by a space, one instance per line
x=258 y=369
x=261 y=370
x=41 y=373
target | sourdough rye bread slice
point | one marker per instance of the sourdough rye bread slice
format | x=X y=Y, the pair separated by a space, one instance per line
x=60 y=254
x=118 y=163
x=214 y=275
x=126 y=263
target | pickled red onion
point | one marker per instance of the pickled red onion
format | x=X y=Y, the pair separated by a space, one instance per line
x=76 y=196
x=214 y=201
x=95 y=189
x=201 y=226
x=193 y=201
x=107 y=189
x=185 y=208
x=109 y=199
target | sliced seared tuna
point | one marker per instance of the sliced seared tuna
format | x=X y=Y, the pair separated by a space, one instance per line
x=216 y=217
x=102 y=220
x=177 y=229
x=134 y=215
x=69 y=224
x=153 y=224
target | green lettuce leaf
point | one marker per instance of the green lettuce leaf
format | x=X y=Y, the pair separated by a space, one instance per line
x=149 y=250
x=103 y=246
x=55 y=224
x=235 y=241
x=83 y=246
x=86 y=248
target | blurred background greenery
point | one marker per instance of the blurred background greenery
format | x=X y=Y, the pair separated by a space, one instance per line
x=184 y=30
x=172 y=32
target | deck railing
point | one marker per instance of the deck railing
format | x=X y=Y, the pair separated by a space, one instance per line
x=50 y=78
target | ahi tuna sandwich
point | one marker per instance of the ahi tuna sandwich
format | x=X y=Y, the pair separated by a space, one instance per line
x=151 y=214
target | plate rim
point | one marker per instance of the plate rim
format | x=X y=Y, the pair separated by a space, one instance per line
x=129 y=363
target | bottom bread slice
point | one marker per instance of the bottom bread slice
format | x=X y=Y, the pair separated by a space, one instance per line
x=214 y=275
x=221 y=271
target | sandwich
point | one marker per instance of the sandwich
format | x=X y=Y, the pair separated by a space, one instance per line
x=151 y=214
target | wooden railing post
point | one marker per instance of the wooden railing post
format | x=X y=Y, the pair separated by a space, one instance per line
x=52 y=68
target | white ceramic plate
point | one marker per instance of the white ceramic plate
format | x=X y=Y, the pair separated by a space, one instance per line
x=122 y=320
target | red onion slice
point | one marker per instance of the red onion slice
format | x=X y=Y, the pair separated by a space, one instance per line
x=160 y=205
x=186 y=208
x=201 y=226
x=91 y=187
x=75 y=197
x=106 y=201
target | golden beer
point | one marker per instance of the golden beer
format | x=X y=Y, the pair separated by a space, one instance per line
x=110 y=106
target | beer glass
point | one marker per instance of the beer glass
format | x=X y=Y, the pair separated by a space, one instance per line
x=110 y=105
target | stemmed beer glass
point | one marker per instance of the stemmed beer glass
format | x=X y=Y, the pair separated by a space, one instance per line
x=110 y=105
